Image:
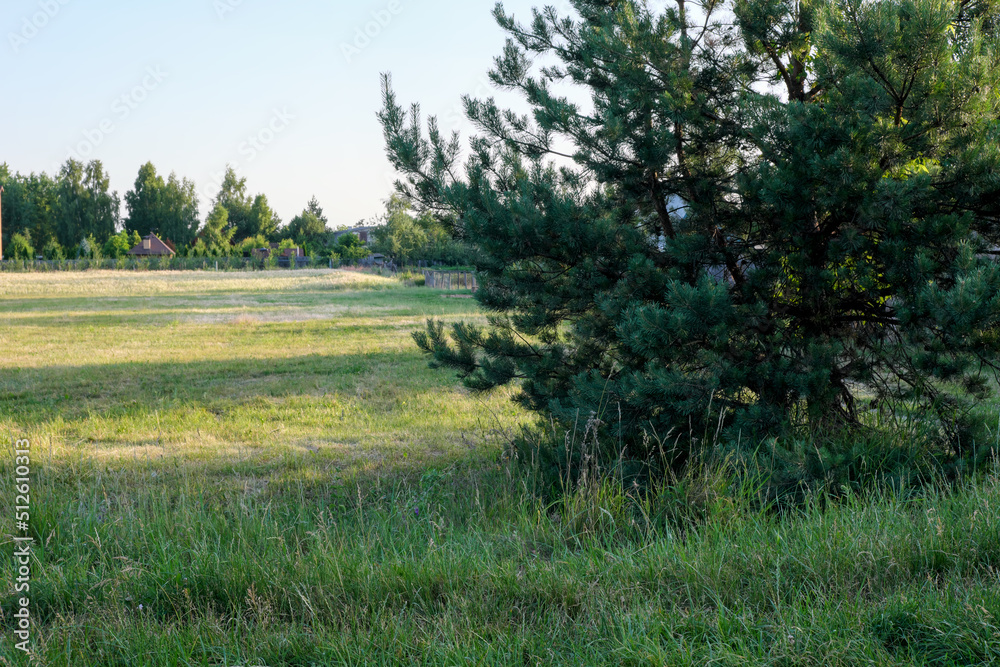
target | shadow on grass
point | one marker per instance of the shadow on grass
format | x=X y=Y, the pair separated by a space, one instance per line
x=33 y=396
x=408 y=301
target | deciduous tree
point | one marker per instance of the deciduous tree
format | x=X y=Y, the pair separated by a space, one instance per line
x=84 y=203
x=168 y=208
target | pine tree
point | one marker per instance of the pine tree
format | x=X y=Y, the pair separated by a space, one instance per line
x=762 y=213
x=317 y=210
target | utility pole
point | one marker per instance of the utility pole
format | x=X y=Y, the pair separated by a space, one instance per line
x=1 y=223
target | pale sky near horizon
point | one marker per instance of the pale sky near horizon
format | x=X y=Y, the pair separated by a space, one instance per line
x=188 y=85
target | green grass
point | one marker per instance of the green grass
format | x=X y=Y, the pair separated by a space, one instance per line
x=260 y=469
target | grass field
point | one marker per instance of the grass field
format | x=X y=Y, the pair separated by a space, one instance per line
x=260 y=469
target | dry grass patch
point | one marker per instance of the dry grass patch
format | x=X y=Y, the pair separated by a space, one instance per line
x=92 y=284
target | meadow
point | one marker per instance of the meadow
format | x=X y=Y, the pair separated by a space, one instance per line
x=261 y=469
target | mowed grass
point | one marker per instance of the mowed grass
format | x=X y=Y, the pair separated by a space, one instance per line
x=260 y=469
x=255 y=365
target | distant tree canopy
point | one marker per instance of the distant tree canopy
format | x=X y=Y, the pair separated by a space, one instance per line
x=401 y=237
x=84 y=204
x=217 y=234
x=248 y=216
x=764 y=213
x=56 y=214
x=308 y=229
x=429 y=236
x=168 y=209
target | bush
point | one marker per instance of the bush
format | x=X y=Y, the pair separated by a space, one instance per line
x=349 y=247
x=20 y=247
x=118 y=245
x=53 y=251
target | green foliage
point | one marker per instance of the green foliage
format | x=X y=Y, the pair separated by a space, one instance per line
x=349 y=240
x=89 y=248
x=401 y=238
x=198 y=249
x=450 y=253
x=53 y=251
x=28 y=205
x=308 y=230
x=118 y=245
x=768 y=222
x=248 y=216
x=78 y=203
x=217 y=234
x=263 y=221
x=20 y=247
x=317 y=210
x=431 y=236
x=84 y=205
x=248 y=245
x=350 y=247
x=234 y=199
x=168 y=209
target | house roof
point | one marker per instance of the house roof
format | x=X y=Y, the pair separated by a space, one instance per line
x=151 y=246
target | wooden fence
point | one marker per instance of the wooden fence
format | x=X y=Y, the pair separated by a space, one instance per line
x=451 y=280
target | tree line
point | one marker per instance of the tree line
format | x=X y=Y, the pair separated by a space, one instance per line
x=75 y=214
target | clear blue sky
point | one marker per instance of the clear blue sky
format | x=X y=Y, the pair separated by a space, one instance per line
x=187 y=83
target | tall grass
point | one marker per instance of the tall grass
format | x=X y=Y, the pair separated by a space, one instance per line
x=147 y=565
